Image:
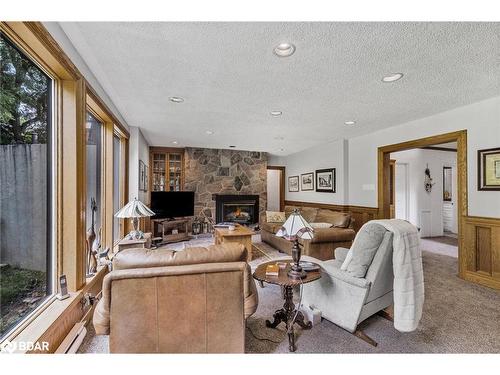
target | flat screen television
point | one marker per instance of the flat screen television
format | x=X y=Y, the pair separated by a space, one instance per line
x=170 y=204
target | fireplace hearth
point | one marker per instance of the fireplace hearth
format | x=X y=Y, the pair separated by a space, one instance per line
x=241 y=209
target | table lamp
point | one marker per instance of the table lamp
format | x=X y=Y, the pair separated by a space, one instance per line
x=134 y=209
x=296 y=227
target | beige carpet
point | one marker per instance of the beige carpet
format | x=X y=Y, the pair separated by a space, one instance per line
x=458 y=317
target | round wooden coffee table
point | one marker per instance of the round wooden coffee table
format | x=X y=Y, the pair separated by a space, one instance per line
x=288 y=311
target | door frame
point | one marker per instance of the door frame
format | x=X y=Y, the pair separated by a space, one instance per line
x=282 y=184
x=383 y=170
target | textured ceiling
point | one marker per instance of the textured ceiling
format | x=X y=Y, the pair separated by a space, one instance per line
x=231 y=80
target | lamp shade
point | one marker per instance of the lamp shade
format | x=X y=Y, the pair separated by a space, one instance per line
x=295 y=226
x=134 y=208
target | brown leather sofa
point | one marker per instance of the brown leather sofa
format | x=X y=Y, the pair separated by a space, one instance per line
x=325 y=240
x=191 y=301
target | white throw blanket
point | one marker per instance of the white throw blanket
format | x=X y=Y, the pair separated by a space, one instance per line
x=408 y=274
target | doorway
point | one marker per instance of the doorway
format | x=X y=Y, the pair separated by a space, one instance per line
x=275 y=188
x=404 y=191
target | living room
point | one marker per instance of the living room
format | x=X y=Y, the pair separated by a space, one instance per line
x=250 y=187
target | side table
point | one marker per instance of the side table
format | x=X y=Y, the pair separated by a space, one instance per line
x=288 y=311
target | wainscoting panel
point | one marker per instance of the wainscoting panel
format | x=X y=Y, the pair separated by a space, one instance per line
x=481 y=251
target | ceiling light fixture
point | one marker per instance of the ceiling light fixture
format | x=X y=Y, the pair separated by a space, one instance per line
x=393 y=77
x=175 y=142
x=284 y=49
x=350 y=122
x=209 y=132
x=232 y=146
x=176 y=99
x=276 y=113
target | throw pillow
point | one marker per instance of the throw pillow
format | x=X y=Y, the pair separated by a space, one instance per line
x=347 y=260
x=320 y=225
x=364 y=247
x=275 y=217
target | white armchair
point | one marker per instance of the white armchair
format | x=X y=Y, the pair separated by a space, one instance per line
x=346 y=300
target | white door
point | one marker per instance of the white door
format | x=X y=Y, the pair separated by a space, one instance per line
x=401 y=191
x=273 y=189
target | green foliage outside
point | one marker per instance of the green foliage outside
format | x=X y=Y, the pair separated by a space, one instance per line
x=24 y=98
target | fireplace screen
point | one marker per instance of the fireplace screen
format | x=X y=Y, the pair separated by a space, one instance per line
x=239 y=212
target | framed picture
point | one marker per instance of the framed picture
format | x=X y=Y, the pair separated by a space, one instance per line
x=293 y=183
x=325 y=180
x=447 y=187
x=142 y=176
x=488 y=169
x=307 y=181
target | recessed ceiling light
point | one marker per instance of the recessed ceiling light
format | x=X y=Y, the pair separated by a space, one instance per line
x=176 y=99
x=281 y=149
x=393 y=77
x=209 y=132
x=175 y=142
x=276 y=113
x=350 y=122
x=232 y=146
x=284 y=49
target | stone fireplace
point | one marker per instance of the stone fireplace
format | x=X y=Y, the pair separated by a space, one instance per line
x=241 y=209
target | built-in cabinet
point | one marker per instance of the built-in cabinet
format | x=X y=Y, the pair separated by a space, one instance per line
x=167 y=169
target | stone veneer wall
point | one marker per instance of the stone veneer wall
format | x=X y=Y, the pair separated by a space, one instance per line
x=212 y=171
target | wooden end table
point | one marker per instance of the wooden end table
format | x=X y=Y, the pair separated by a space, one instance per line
x=240 y=234
x=288 y=311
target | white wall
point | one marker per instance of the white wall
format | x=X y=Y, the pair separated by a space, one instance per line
x=328 y=155
x=138 y=150
x=273 y=189
x=420 y=200
x=482 y=122
x=62 y=39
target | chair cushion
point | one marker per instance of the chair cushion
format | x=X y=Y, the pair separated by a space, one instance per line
x=364 y=247
x=271 y=227
x=337 y=219
x=320 y=225
x=275 y=217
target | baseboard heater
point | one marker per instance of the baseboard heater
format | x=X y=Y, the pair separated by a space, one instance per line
x=73 y=340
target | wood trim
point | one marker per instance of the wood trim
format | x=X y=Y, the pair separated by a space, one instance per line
x=282 y=183
x=383 y=156
x=435 y=148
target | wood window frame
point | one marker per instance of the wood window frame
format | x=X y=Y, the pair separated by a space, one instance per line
x=70 y=97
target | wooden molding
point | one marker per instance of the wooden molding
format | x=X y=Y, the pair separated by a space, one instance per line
x=435 y=148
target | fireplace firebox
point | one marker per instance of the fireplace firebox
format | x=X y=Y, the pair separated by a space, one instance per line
x=241 y=209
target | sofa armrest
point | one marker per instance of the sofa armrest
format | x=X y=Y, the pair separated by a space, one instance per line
x=333 y=235
x=337 y=273
x=341 y=253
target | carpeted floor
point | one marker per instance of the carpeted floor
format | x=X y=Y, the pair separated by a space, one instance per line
x=443 y=245
x=458 y=317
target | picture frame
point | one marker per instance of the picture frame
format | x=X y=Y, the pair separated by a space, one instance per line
x=293 y=184
x=488 y=169
x=142 y=176
x=307 y=181
x=447 y=184
x=326 y=180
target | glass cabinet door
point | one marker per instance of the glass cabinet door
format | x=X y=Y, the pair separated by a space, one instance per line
x=159 y=172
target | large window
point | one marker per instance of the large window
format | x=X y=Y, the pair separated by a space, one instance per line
x=94 y=176
x=25 y=186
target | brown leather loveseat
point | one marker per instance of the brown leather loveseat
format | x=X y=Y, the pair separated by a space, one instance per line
x=190 y=301
x=325 y=241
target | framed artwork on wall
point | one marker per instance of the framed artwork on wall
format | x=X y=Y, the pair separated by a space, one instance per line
x=307 y=181
x=293 y=184
x=488 y=169
x=325 y=180
x=142 y=176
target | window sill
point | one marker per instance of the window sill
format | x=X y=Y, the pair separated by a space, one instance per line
x=49 y=315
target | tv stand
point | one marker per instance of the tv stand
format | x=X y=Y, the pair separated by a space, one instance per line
x=169 y=230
